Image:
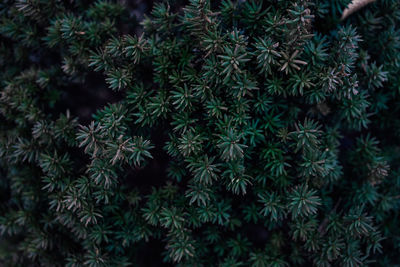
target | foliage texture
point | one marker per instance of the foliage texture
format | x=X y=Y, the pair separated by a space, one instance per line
x=208 y=133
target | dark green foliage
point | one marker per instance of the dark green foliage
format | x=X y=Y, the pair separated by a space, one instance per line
x=212 y=133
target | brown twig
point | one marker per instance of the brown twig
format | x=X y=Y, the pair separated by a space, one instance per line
x=322 y=227
x=354 y=6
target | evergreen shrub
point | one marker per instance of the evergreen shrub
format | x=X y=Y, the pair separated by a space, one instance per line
x=199 y=133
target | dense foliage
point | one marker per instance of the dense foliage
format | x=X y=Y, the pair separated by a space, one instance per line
x=213 y=133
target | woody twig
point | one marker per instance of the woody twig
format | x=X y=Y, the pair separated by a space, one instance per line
x=354 y=6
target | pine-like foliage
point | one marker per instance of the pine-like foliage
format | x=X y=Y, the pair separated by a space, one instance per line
x=215 y=133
